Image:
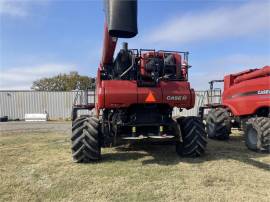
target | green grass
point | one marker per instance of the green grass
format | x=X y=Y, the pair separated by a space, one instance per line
x=38 y=167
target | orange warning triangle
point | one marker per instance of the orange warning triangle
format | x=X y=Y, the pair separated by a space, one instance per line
x=150 y=97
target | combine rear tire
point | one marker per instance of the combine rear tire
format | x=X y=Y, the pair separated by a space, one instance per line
x=218 y=124
x=85 y=140
x=194 y=137
x=257 y=134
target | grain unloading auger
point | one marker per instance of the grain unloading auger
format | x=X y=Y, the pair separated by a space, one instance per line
x=135 y=94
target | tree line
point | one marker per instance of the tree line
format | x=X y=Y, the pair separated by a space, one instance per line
x=64 y=82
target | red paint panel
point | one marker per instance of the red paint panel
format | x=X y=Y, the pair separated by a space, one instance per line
x=177 y=94
x=100 y=93
x=255 y=74
x=120 y=93
x=238 y=99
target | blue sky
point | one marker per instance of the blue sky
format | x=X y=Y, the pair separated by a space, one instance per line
x=45 y=37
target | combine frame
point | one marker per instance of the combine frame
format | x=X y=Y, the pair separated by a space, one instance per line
x=135 y=95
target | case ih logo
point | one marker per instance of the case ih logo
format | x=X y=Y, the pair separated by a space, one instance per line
x=177 y=97
x=251 y=93
x=263 y=92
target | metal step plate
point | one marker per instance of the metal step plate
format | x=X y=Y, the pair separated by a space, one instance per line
x=161 y=137
x=135 y=138
x=141 y=137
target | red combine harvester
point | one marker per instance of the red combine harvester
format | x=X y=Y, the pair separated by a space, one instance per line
x=245 y=105
x=135 y=94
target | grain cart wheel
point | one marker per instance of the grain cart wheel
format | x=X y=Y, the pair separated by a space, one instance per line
x=257 y=134
x=218 y=124
x=194 y=137
x=85 y=140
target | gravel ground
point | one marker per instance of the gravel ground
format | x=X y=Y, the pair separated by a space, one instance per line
x=21 y=126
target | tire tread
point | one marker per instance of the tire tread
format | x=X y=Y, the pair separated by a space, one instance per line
x=262 y=126
x=194 y=137
x=85 y=140
x=220 y=120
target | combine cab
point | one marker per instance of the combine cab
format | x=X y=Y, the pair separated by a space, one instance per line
x=135 y=95
x=245 y=105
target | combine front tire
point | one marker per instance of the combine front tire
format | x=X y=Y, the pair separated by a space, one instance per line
x=257 y=134
x=218 y=124
x=85 y=140
x=194 y=137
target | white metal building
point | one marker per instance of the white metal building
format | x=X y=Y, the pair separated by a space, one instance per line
x=15 y=104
